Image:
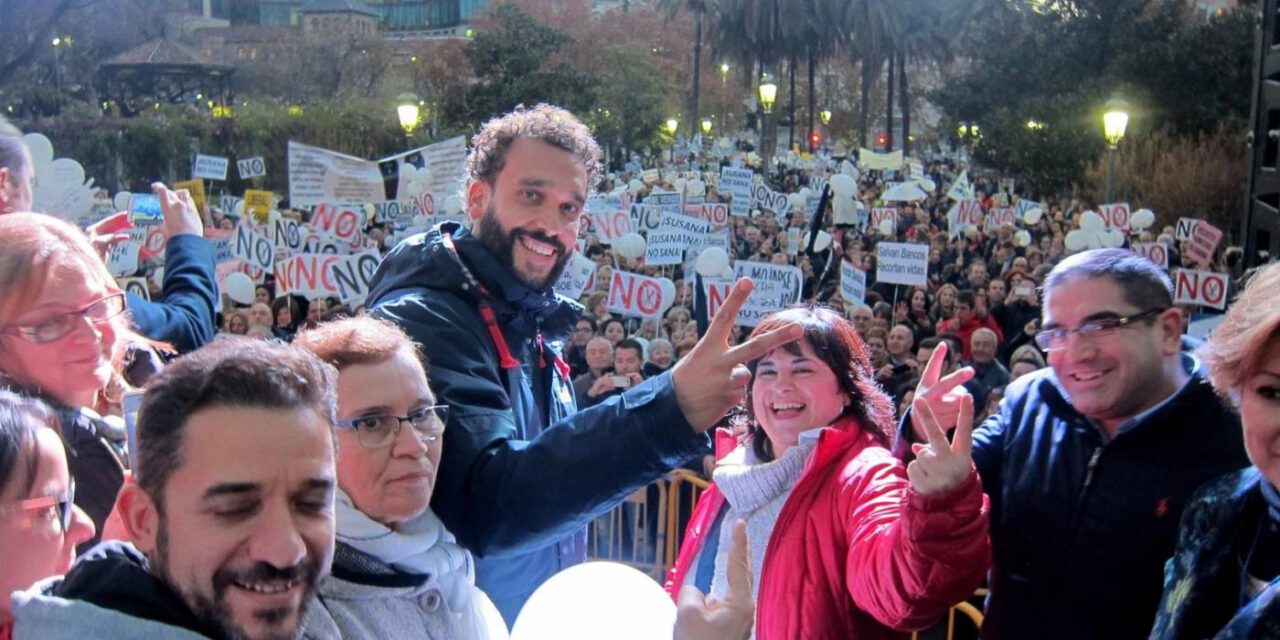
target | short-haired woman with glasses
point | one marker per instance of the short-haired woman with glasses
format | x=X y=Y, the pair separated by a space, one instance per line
x=63 y=335
x=39 y=524
x=397 y=573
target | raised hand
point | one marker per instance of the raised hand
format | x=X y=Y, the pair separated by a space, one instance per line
x=942 y=394
x=712 y=379
x=108 y=231
x=701 y=618
x=941 y=466
x=180 y=215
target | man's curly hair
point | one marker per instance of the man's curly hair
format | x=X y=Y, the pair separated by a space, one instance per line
x=544 y=122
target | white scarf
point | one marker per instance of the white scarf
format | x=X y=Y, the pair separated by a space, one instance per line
x=421 y=546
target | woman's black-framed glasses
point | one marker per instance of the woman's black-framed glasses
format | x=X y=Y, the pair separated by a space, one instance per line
x=63 y=503
x=56 y=326
x=378 y=431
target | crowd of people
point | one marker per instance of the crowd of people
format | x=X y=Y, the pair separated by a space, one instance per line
x=417 y=465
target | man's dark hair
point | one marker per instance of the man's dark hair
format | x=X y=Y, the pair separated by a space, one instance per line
x=628 y=343
x=1143 y=284
x=966 y=296
x=589 y=320
x=552 y=125
x=234 y=372
x=929 y=343
x=12 y=148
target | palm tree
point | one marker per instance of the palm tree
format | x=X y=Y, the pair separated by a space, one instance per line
x=699 y=8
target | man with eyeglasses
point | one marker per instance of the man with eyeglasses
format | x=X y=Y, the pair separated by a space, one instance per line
x=1090 y=462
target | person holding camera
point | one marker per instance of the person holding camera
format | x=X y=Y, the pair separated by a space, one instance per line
x=902 y=367
x=628 y=358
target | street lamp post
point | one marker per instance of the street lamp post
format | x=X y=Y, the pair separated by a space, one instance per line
x=407 y=111
x=768 y=94
x=672 y=125
x=1114 y=122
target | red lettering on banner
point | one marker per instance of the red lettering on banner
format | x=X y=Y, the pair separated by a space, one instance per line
x=999 y=217
x=880 y=214
x=620 y=293
x=1153 y=251
x=341 y=222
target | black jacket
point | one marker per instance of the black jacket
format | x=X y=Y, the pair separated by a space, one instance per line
x=521 y=473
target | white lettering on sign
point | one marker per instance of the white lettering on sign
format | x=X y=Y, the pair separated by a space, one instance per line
x=251 y=167
x=902 y=263
x=1200 y=288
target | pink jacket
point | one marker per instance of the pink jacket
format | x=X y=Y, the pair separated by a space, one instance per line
x=862 y=555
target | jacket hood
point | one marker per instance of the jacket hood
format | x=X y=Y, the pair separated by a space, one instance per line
x=424 y=261
x=109 y=593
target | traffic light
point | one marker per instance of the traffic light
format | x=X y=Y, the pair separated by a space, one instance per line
x=815 y=140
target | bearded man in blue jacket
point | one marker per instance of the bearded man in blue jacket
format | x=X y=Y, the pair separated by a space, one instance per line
x=522 y=472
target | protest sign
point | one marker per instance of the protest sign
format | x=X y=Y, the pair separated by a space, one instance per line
x=873 y=161
x=674 y=234
x=318 y=175
x=343 y=223
x=611 y=225
x=811 y=204
x=880 y=214
x=122 y=258
x=737 y=183
x=228 y=203
x=631 y=294
x=352 y=275
x=853 y=283
x=999 y=216
x=1154 y=251
x=1204 y=239
x=960 y=189
x=287 y=233
x=444 y=162
x=645 y=217
x=196 y=189
x=1200 y=287
x=1185 y=228
x=575 y=277
x=793 y=241
x=251 y=167
x=776 y=287
x=136 y=286
x=223 y=244
x=716 y=291
x=717 y=213
x=209 y=168
x=902 y=263
x=649 y=176
x=307 y=274
x=394 y=211
x=665 y=201
x=258 y=203
x=767 y=198
x=1115 y=216
x=254 y=249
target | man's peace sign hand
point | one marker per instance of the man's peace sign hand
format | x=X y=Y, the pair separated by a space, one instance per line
x=712 y=379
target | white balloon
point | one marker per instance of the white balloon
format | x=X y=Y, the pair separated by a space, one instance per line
x=1142 y=218
x=121 y=201
x=848 y=169
x=416 y=188
x=886 y=227
x=453 y=204
x=711 y=262
x=596 y=600
x=238 y=210
x=727 y=274
x=635 y=186
x=843 y=185
x=41 y=150
x=680 y=185
x=928 y=185
x=1091 y=222
x=1075 y=240
x=668 y=292
x=68 y=172
x=796 y=202
x=630 y=246
x=1094 y=239
x=1032 y=215
x=1022 y=237
x=240 y=288
x=1113 y=238
x=805 y=192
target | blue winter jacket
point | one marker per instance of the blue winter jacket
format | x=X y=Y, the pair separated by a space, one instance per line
x=1082 y=527
x=184 y=315
x=522 y=473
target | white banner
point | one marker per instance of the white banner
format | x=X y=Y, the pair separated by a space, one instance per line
x=631 y=294
x=307 y=274
x=873 y=161
x=902 y=263
x=1115 y=216
x=254 y=249
x=1153 y=251
x=318 y=175
x=611 y=225
x=575 y=277
x=737 y=182
x=352 y=275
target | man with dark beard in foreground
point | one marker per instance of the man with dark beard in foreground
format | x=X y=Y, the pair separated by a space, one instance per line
x=230 y=512
x=522 y=472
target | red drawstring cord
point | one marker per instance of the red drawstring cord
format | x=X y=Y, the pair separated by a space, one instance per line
x=491 y=323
